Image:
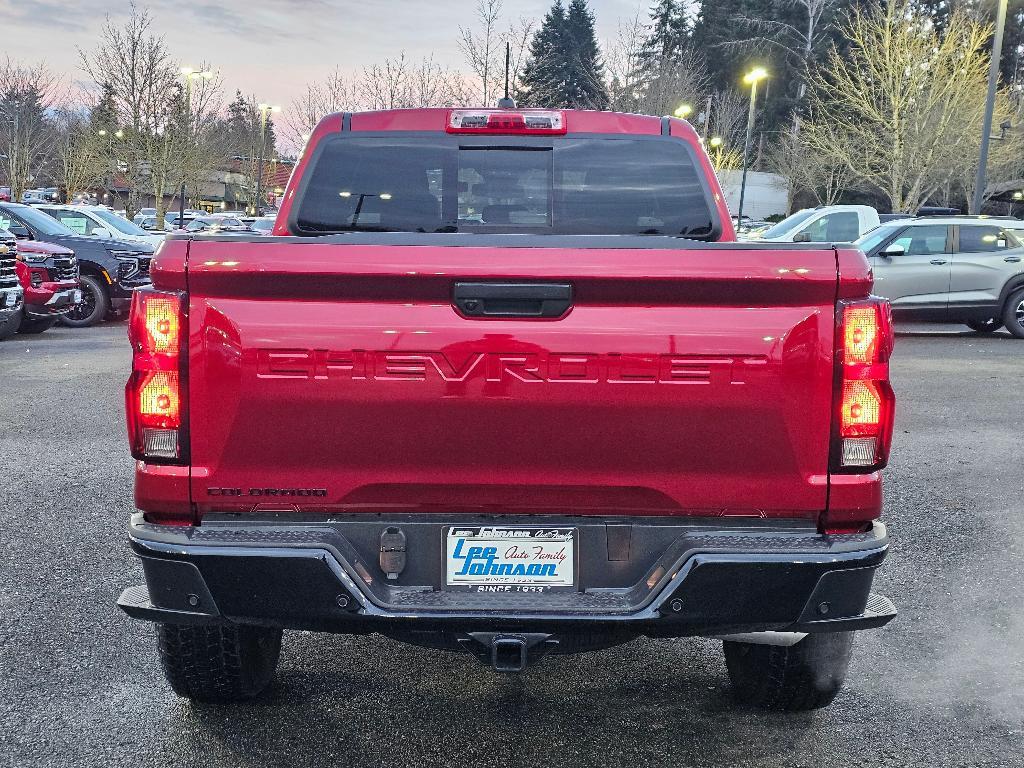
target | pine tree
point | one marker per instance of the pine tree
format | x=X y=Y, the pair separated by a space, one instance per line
x=585 y=85
x=544 y=72
x=669 y=34
x=716 y=24
x=565 y=69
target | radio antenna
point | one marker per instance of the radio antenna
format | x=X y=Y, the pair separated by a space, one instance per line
x=506 y=101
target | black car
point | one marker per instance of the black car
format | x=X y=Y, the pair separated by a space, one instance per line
x=110 y=269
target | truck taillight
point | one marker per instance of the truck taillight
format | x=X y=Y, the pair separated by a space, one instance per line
x=155 y=393
x=865 y=404
x=525 y=121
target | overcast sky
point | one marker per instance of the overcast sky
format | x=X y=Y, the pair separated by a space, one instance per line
x=270 y=49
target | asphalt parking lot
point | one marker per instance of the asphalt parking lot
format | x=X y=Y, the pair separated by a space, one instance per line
x=943 y=685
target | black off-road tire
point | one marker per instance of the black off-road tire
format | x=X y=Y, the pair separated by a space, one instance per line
x=990 y=325
x=94 y=307
x=224 y=662
x=1013 y=314
x=804 y=676
x=10 y=326
x=40 y=325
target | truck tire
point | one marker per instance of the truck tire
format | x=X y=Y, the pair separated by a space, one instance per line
x=41 y=325
x=94 y=307
x=10 y=326
x=991 y=325
x=224 y=662
x=804 y=676
x=1013 y=314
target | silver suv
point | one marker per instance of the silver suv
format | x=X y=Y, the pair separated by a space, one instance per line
x=960 y=269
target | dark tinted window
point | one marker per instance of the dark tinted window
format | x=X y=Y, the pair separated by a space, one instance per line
x=566 y=186
x=978 y=239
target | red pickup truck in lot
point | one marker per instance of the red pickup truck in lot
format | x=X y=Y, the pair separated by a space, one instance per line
x=503 y=382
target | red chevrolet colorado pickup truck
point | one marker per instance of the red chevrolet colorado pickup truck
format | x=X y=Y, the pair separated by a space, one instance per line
x=503 y=382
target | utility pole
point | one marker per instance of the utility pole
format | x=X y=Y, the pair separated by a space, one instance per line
x=990 y=103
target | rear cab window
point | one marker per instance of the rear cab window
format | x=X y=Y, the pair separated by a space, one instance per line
x=505 y=184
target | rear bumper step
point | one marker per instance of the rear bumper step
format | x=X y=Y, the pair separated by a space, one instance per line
x=678 y=579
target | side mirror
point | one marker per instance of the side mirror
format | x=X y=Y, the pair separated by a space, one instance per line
x=892 y=250
x=802 y=237
x=20 y=232
x=102 y=234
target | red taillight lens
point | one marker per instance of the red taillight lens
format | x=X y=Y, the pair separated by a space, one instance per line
x=159 y=400
x=860 y=335
x=864 y=397
x=155 y=394
x=861 y=409
x=162 y=324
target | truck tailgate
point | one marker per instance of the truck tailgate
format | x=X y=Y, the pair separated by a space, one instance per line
x=336 y=374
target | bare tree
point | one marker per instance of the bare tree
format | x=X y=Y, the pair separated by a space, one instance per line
x=399 y=84
x=899 y=107
x=809 y=170
x=79 y=152
x=145 y=92
x=483 y=49
x=333 y=94
x=26 y=131
x=624 y=65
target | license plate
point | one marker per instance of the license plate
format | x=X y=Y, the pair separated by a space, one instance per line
x=76 y=297
x=10 y=300
x=496 y=559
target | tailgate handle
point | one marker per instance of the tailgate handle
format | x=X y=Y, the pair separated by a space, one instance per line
x=513 y=299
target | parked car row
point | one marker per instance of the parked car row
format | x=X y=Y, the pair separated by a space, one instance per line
x=935 y=266
x=69 y=265
x=225 y=222
x=79 y=264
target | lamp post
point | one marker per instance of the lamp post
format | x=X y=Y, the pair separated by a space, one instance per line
x=752 y=78
x=113 y=167
x=265 y=109
x=990 y=102
x=190 y=75
x=715 y=142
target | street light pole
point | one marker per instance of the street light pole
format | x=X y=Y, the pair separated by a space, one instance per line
x=751 y=78
x=190 y=74
x=265 y=109
x=990 y=103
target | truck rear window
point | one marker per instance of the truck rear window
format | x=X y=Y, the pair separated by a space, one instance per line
x=562 y=186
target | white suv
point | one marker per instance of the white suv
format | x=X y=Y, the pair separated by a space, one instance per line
x=97 y=221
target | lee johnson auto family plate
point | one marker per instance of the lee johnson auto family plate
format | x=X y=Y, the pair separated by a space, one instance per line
x=496 y=559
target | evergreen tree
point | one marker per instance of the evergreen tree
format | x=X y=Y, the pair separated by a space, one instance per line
x=103 y=116
x=715 y=25
x=585 y=84
x=540 y=85
x=669 y=34
x=564 y=68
